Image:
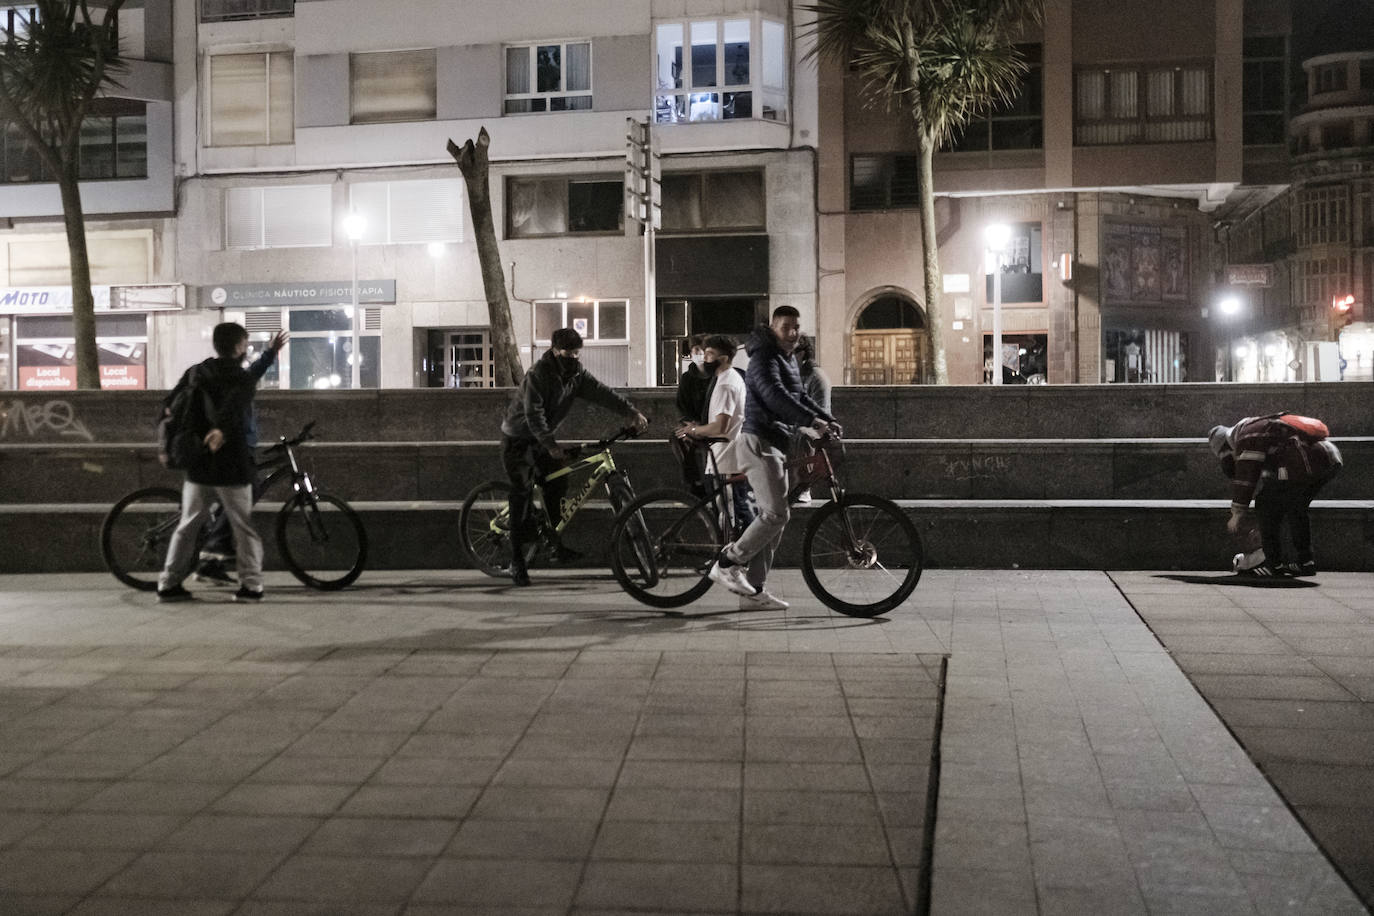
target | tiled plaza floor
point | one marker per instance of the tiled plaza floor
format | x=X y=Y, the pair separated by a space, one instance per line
x=435 y=743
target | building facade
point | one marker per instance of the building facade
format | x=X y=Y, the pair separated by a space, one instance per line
x=1135 y=124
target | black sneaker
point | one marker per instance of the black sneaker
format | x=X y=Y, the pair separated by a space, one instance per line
x=1303 y=569
x=173 y=594
x=1263 y=571
x=563 y=556
x=214 y=572
x=247 y=594
x=519 y=575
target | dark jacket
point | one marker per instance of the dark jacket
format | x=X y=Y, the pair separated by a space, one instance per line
x=230 y=388
x=546 y=395
x=777 y=401
x=692 y=394
x=1266 y=448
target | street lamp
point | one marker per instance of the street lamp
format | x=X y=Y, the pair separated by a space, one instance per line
x=354 y=224
x=997 y=236
x=1230 y=307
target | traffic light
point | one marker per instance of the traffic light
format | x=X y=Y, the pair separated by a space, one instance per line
x=1342 y=314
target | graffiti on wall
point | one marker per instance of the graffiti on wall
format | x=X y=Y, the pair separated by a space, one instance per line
x=21 y=419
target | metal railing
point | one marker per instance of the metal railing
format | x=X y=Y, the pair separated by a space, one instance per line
x=224 y=10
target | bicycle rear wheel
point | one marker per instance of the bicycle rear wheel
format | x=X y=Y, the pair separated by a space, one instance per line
x=484 y=528
x=861 y=555
x=322 y=541
x=636 y=529
x=682 y=540
x=136 y=533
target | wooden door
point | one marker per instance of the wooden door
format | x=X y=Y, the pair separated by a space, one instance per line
x=896 y=357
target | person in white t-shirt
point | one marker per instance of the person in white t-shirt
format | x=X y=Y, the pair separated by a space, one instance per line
x=725 y=414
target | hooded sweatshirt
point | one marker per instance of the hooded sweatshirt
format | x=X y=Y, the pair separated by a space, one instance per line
x=777 y=401
x=1259 y=448
x=230 y=388
x=546 y=395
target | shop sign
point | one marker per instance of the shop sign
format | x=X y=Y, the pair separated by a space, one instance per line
x=240 y=295
x=57 y=300
x=1258 y=275
x=63 y=378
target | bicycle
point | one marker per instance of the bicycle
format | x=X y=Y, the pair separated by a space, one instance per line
x=484 y=521
x=320 y=537
x=861 y=554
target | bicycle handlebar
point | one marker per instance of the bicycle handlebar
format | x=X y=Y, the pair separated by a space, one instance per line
x=304 y=435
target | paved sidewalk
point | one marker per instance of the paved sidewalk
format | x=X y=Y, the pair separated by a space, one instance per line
x=435 y=743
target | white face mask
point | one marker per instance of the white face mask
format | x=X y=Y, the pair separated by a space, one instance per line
x=698 y=359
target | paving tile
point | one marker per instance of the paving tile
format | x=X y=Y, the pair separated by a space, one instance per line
x=684 y=887
x=240 y=833
x=344 y=880
x=93 y=830
x=851 y=891
x=155 y=797
x=523 y=839
x=49 y=872
x=213 y=873
x=669 y=841
x=654 y=804
x=978 y=892
x=143 y=906
x=505 y=802
x=818 y=844
x=282 y=798
x=491 y=884
x=410 y=801
x=376 y=837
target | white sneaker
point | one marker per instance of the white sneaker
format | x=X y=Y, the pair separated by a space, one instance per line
x=803 y=497
x=731 y=577
x=763 y=601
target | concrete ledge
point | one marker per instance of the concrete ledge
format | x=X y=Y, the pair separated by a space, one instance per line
x=1045 y=534
x=902 y=468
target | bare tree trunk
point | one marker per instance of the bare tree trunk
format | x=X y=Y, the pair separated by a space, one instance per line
x=83 y=301
x=472 y=162
x=930 y=251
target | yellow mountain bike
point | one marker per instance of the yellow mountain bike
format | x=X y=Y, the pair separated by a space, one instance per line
x=484 y=523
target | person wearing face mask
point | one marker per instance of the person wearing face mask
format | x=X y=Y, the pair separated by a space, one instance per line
x=529 y=449
x=726 y=413
x=693 y=392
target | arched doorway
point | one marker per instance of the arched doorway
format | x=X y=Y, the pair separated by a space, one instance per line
x=890 y=344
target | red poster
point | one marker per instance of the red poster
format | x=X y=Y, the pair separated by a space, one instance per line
x=113 y=377
x=47 y=378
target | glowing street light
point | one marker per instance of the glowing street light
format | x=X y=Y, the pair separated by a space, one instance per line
x=997 y=237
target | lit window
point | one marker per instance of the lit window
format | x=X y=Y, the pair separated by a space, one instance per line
x=720 y=69
x=549 y=77
x=409 y=212
x=1165 y=104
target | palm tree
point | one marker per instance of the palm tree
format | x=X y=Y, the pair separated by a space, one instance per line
x=52 y=65
x=942 y=62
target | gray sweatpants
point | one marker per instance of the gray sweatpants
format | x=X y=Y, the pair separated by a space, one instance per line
x=196 y=499
x=767 y=470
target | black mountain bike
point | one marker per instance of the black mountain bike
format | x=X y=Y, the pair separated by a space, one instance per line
x=320 y=538
x=484 y=523
x=861 y=554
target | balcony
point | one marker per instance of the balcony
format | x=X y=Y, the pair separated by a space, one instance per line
x=227 y=10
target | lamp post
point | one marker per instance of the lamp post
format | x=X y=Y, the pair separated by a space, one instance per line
x=354 y=224
x=1230 y=308
x=997 y=236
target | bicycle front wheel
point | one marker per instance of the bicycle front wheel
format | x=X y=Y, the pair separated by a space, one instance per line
x=322 y=541
x=662 y=546
x=861 y=555
x=136 y=533
x=484 y=528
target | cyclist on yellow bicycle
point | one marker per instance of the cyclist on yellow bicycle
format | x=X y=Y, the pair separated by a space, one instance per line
x=529 y=449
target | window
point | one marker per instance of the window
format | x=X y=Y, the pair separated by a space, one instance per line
x=393 y=86
x=113 y=144
x=1017 y=126
x=558 y=206
x=883 y=181
x=1022 y=279
x=549 y=77
x=1263 y=98
x=1323 y=216
x=696 y=201
x=720 y=69
x=409 y=212
x=1145 y=105
x=595 y=320
x=224 y=10
x=319 y=353
x=297 y=216
x=1329 y=77
x=1321 y=281
x=252 y=99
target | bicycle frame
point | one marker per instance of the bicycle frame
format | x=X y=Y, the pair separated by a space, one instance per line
x=602 y=466
x=806 y=471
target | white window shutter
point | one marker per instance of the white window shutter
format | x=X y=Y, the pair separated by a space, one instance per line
x=243 y=218
x=427 y=211
x=298 y=216
x=369 y=200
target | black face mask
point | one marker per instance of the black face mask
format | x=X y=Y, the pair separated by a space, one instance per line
x=711 y=365
x=568 y=365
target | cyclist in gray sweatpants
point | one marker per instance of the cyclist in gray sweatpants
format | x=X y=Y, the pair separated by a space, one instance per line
x=777 y=403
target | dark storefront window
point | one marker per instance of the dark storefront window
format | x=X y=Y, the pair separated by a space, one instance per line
x=1024 y=360
x=1022 y=278
x=706 y=201
x=1145 y=355
x=558 y=206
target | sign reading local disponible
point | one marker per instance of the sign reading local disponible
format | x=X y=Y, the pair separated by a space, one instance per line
x=237 y=295
x=1261 y=275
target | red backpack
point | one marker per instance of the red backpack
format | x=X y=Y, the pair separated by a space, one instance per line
x=1309 y=429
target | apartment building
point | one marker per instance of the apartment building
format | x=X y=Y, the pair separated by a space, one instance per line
x=128 y=194
x=292 y=116
x=1136 y=124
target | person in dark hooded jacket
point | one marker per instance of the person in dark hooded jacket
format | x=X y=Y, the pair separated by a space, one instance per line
x=777 y=403
x=529 y=448
x=224 y=472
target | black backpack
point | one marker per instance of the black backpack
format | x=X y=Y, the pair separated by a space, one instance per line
x=186 y=418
